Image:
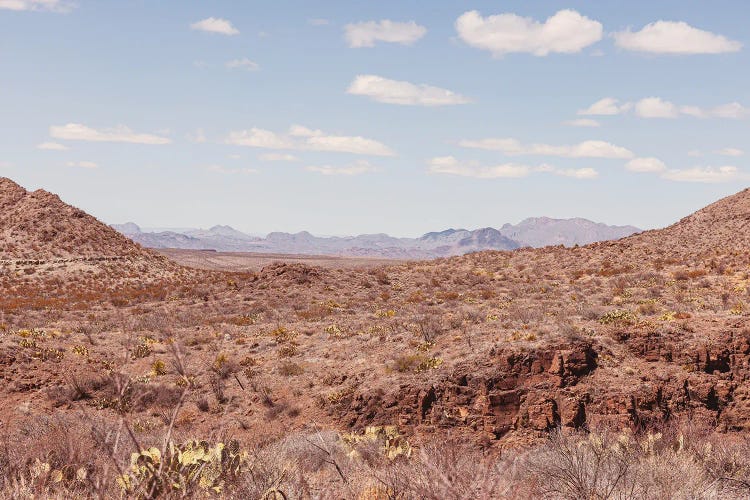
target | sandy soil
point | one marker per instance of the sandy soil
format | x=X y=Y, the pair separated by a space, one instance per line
x=244 y=261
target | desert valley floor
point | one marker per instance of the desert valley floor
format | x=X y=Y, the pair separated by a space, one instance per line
x=111 y=347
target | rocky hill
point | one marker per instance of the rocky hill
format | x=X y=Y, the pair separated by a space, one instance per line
x=723 y=226
x=38 y=225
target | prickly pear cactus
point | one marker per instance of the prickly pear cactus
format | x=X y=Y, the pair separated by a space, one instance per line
x=194 y=465
x=392 y=443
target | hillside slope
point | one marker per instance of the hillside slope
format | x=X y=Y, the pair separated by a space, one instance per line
x=38 y=225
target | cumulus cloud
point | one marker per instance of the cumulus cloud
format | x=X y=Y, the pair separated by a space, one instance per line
x=646 y=165
x=586 y=149
x=303 y=138
x=357 y=168
x=121 y=133
x=655 y=107
x=277 y=157
x=731 y=110
x=365 y=34
x=218 y=169
x=215 y=25
x=405 y=93
x=705 y=174
x=243 y=63
x=565 y=32
x=669 y=37
x=606 y=106
x=449 y=165
x=730 y=152
x=38 y=5
x=583 y=122
x=52 y=146
x=198 y=137
x=577 y=173
x=82 y=164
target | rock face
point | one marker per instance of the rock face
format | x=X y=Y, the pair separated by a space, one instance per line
x=534 y=391
x=511 y=390
x=38 y=225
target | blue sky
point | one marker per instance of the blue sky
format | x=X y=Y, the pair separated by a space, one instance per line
x=395 y=116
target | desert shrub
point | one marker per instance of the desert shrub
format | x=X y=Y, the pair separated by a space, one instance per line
x=448 y=469
x=648 y=308
x=619 y=317
x=223 y=366
x=288 y=369
x=415 y=363
x=607 y=464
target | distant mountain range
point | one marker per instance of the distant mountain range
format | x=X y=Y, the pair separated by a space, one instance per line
x=533 y=232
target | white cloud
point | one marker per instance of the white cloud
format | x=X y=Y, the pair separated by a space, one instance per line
x=221 y=170
x=583 y=122
x=577 y=173
x=705 y=174
x=82 y=164
x=6 y=164
x=318 y=22
x=300 y=131
x=243 y=63
x=695 y=174
x=669 y=37
x=277 y=157
x=655 y=107
x=121 y=133
x=586 y=149
x=365 y=34
x=52 y=146
x=198 y=137
x=695 y=153
x=303 y=138
x=215 y=25
x=451 y=166
x=38 y=5
x=346 y=144
x=646 y=165
x=731 y=110
x=260 y=138
x=606 y=106
x=357 y=168
x=565 y=32
x=730 y=152
x=406 y=93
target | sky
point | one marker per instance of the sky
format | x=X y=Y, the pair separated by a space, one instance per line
x=402 y=117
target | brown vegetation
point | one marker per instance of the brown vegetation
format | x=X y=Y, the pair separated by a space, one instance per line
x=476 y=361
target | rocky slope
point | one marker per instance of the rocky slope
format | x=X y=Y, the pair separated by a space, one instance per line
x=38 y=225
